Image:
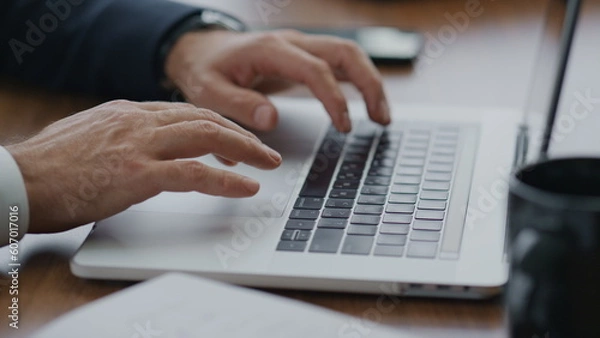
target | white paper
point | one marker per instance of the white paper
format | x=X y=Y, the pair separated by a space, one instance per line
x=185 y=306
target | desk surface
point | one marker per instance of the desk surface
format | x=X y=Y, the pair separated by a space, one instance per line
x=486 y=62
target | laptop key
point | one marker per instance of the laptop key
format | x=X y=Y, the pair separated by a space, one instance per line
x=405 y=189
x=412 y=162
x=410 y=180
x=336 y=213
x=394 y=229
x=439 y=177
x=421 y=250
x=291 y=246
x=444 y=151
x=304 y=214
x=299 y=225
x=357 y=245
x=371 y=199
x=367 y=220
x=383 y=163
x=376 y=180
x=312 y=203
x=388 y=250
x=352 y=166
x=374 y=190
x=436 y=186
x=332 y=223
x=440 y=168
x=343 y=203
x=287 y=235
x=398 y=240
x=362 y=230
x=326 y=240
x=425 y=236
x=368 y=209
x=349 y=176
x=403 y=198
x=400 y=208
x=302 y=235
x=414 y=153
x=431 y=205
x=430 y=215
x=342 y=193
x=397 y=218
x=444 y=159
x=381 y=172
x=410 y=171
x=434 y=195
x=346 y=184
x=359 y=158
x=427 y=225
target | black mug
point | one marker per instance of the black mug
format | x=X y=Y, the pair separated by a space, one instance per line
x=554 y=231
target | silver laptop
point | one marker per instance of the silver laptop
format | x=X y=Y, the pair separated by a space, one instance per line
x=417 y=208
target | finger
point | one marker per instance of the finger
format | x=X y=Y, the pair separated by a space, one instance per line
x=225 y=161
x=352 y=64
x=157 y=105
x=198 y=138
x=183 y=176
x=279 y=58
x=246 y=106
x=191 y=113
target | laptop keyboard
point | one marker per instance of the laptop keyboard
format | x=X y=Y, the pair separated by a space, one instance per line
x=379 y=192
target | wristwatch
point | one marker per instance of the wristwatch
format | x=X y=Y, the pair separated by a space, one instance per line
x=207 y=19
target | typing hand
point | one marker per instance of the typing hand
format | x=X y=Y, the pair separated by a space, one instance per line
x=99 y=162
x=219 y=70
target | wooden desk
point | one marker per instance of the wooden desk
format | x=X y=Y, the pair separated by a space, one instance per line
x=489 y=63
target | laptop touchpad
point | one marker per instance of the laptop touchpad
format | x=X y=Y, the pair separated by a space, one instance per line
x=294 y=138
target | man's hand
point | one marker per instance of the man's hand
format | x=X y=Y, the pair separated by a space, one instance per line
x=99 y=162
x=218 y=69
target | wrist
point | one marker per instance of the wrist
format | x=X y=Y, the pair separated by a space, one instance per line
x=206 y=21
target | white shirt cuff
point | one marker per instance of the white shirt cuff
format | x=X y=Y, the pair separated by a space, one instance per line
x=14 y=206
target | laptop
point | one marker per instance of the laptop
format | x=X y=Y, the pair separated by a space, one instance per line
x=415 y=209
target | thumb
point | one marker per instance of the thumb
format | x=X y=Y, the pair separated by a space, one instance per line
x=245 y=106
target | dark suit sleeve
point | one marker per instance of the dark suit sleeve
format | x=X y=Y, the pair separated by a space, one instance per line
x=102 y=47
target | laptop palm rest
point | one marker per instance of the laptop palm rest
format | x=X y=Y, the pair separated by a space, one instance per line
x=295 y=138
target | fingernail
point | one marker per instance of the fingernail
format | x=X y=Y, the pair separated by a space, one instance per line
x=384 y=108
x=263 y=116
x=347 y=123
x=274 y=155
x=250 y=185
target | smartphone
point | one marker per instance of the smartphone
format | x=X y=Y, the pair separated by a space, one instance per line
x=385 y=45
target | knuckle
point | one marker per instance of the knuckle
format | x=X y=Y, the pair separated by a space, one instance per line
x=375 y=81
x=348 y=47
x=209 y=114
x=209 y=128
x=289 y=33
x=227 y=181
x=319 y=68
x=119 y=103
x=269 y=38
x=194 y=170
